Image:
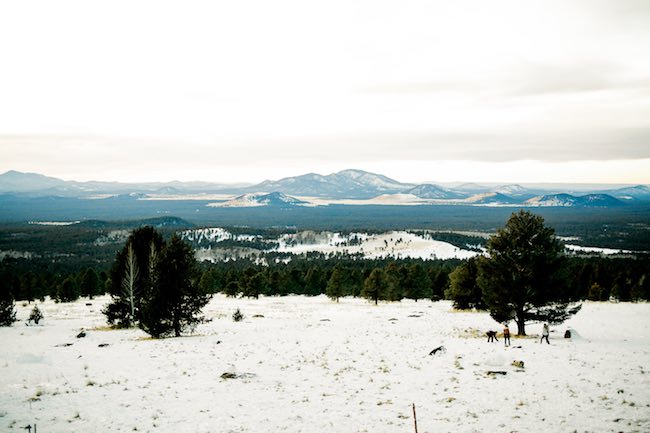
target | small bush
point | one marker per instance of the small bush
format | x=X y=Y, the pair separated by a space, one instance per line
x=35 y=316
x=237 y=316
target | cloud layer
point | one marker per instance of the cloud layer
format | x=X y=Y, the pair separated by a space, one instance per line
x=306 y=86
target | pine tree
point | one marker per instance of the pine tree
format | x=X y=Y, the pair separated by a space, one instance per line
x=174 y=304
x=315 y=282
x=132 y=276
x=463 y=289
x=418 y=283
x=395 y=280
x=90 y=283
x=255 y=285
x=522 y=277
x=439 y=283
x=35 y=315
x=208 y=281
x=232 y=289
x=68 y=291
x=7 y=304
x=375 y=287
x=335 y=285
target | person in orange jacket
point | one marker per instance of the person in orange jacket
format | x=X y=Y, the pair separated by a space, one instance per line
x=506 y=335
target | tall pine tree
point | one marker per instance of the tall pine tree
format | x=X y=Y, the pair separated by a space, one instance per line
x=522 y=276
x=174 y=304
x=375 y=287
x=125 y=285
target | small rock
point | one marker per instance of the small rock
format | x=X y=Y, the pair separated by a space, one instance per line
x=82 y=334
x=103 y=345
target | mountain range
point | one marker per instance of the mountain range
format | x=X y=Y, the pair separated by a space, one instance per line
x=344 y=185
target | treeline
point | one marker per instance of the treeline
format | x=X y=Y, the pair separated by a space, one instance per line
x=321 y=274
x=592 y=278
x=587 y=278
x=29 y=279
x=600 y=279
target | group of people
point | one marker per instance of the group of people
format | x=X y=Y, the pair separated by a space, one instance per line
x=492 y=335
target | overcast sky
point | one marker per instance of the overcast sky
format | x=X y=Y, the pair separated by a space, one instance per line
x=229 y=91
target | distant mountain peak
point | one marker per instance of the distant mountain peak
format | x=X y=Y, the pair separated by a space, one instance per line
x=273 y=199
x=568 y=200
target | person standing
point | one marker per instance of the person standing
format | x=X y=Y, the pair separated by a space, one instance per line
x=544 y=334
x=506 y=335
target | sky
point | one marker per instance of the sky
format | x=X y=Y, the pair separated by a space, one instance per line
x=247 y=90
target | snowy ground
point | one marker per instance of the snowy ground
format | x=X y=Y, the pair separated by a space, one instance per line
x=311 y=365
x=397 y=244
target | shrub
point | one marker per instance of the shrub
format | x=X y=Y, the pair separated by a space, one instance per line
x=237 y=316
x=35 y=316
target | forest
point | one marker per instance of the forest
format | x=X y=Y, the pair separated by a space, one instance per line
x=65 y=262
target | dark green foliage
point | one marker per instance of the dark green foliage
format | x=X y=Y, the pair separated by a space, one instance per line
x=439 y=282
x=7 y=304
x=315 y=281
x=29 y=286
x=35 y=315
x=418 y=283
x=68 y=291
x=208 y=282
x=463 y=288
x=237 y=316
x=396 y=279
x=522 y=277
x=124 y=310
x=90 y=283
x=336 y=284
x=375 y=287
x=256 y=285
x=173 y=303
x=232 y=289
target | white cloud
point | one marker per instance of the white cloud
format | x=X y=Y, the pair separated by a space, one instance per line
x=292 y=84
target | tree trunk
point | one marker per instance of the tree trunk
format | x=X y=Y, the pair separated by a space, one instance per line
x=521 y=325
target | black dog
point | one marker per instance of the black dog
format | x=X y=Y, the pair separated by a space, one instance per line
x=492 y=336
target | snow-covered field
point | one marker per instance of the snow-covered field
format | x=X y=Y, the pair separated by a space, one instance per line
x=397 y=244
x=312 y=365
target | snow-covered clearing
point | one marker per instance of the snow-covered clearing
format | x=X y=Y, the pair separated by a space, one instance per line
x=397 y=244
x=312 y=365
x=605 y=251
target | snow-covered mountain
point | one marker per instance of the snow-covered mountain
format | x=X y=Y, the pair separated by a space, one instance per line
x=638 y=192
x=434 y=192
x=16 y=182
x=274 y=199
x=566 y=200
x=344 y=184
x=491 y=198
